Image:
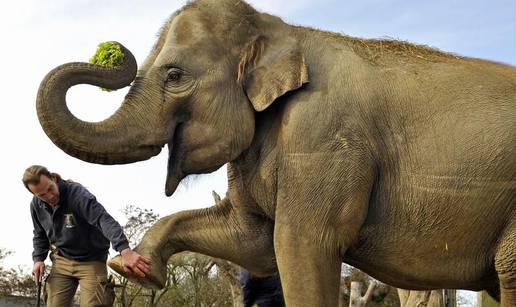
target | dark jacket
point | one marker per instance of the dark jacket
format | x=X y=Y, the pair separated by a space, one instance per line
x=80 y=227
x=264 y=292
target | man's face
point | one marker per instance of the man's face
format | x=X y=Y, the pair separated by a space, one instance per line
x=46 y=190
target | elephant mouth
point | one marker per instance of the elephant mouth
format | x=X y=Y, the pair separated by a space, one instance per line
x=174 y=172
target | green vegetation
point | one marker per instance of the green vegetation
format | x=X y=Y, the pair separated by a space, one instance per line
x=108 y=54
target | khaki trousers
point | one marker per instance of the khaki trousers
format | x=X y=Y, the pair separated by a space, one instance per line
x=66 y=275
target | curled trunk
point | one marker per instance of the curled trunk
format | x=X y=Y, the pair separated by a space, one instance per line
x=122 y=138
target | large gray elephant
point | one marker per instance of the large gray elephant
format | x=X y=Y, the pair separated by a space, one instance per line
x=395 y=158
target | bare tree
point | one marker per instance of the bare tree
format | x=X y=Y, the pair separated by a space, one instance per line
x=412 y=298
x=230 y=273
x=382 y=295
x=355 y=298
x=15 y=281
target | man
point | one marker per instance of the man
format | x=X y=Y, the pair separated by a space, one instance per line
x=75 y=227
x=262 y=292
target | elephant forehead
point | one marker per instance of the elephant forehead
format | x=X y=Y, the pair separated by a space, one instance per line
x=187 y=28
x=190 y=37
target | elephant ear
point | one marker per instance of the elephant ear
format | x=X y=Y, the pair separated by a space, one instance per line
x=267 y=72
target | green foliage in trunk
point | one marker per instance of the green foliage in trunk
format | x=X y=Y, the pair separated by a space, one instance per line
x=108 y=54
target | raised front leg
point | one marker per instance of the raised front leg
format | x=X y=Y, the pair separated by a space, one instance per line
x=322 y=203
x=217 y=231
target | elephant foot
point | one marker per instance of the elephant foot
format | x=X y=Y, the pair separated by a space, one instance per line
x=154 y=279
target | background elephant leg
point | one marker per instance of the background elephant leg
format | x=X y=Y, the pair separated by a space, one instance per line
x=505 y=265
x=217 y=231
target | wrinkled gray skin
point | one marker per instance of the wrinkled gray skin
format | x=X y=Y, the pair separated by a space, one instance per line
x=395 y=158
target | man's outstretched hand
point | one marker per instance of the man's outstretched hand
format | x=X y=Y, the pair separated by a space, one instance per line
x=134 y=262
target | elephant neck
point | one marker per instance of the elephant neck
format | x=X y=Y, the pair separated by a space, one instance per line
x=252 y=175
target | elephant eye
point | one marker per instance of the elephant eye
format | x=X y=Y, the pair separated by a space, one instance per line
x=174 y=74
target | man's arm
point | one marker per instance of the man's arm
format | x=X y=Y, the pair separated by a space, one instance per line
x=40 y=245
x=95 y=214
x=40 y=241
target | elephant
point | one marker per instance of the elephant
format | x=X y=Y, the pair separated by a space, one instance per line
x=393 y=157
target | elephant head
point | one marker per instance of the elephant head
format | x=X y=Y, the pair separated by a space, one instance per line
x=215 y=65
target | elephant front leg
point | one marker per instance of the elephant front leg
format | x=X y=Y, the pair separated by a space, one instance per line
x=310 y=274
x=309 y=258
x=218 y=231
x=322 y=203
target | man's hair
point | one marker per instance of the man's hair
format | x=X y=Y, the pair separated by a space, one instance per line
x=32 y=175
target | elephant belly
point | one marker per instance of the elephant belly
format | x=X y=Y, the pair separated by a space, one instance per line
x=420 y=269
x=434 y=233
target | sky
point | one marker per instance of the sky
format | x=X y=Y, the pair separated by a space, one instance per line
x=40 y=35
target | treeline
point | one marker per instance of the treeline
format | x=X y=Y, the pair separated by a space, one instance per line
x=15 y=282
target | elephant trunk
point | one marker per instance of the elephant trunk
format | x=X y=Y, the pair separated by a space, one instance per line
x=124 y=137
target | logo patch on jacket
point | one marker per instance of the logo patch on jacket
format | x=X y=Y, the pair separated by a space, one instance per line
x=69 y=220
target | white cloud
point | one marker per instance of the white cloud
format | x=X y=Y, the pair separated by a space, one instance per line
x=283 y=8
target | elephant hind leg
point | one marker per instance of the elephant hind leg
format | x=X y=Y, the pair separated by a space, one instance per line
x=505 y=265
